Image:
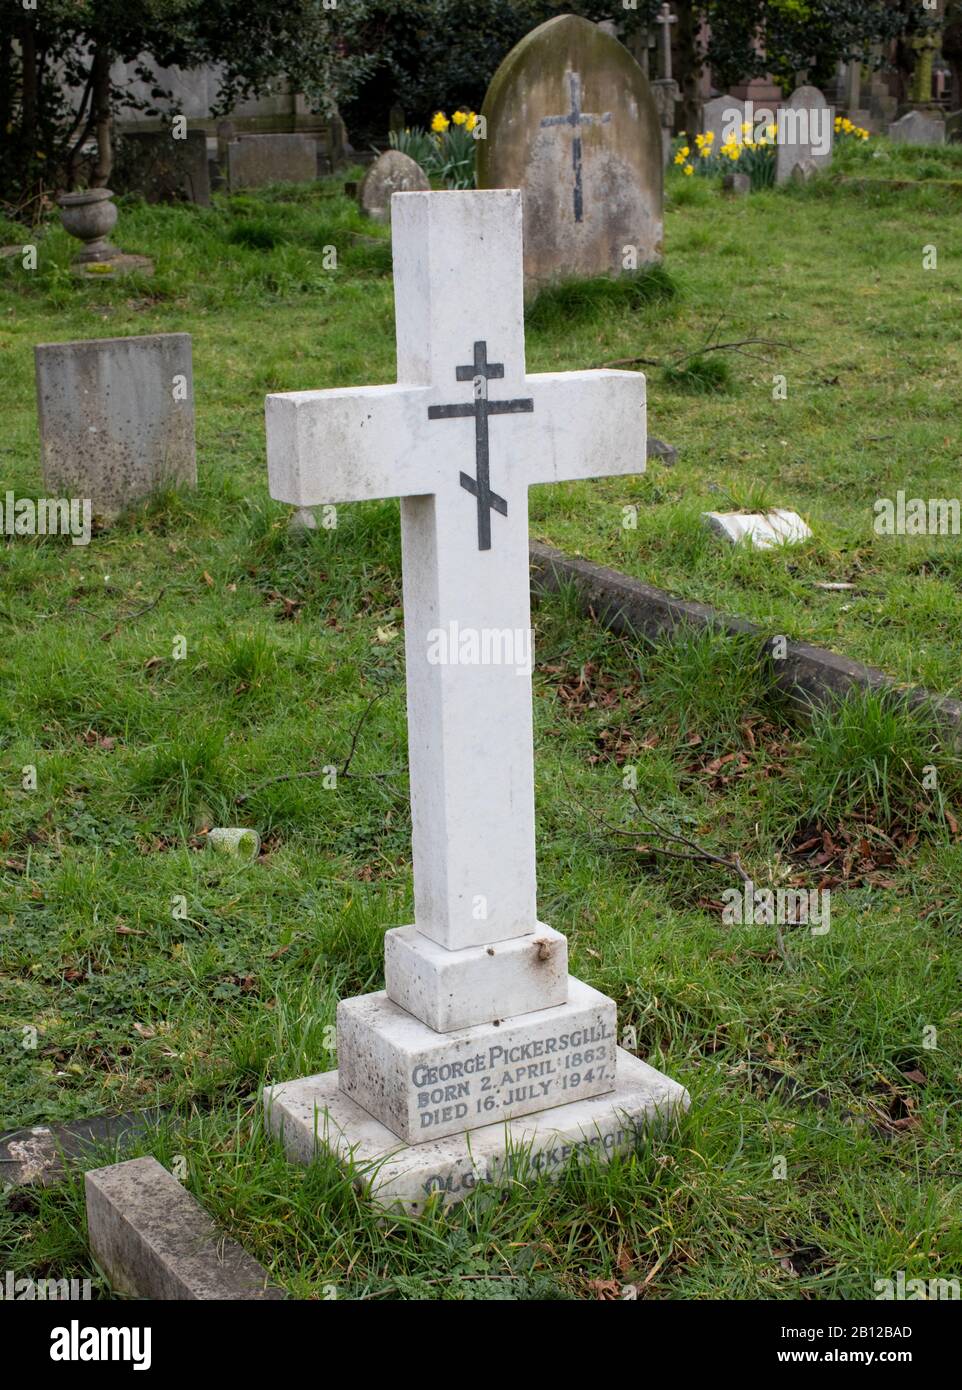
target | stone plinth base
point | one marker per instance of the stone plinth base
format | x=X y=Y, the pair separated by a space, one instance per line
x=313 y=1113
x=423 y=1085
x=113 y=268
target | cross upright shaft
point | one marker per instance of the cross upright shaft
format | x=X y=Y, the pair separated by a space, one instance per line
x=459 y=323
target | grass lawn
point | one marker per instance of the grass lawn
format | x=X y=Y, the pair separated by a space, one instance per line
x=821 y=1150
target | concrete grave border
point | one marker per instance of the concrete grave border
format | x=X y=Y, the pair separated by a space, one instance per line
x=153 y=1239
x=809 y=675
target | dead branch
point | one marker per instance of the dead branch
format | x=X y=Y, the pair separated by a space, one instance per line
x=343 y=771
x=693 y=852
x=138 y=613
x=676 y=361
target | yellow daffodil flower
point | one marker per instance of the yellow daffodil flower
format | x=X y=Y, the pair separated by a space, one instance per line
x=440 y=123
x=459 y=117
x=688 y=169
x=471 y=120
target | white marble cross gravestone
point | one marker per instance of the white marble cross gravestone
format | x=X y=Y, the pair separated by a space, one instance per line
x=480 y=1023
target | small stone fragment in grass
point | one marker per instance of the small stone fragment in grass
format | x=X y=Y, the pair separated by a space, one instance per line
x=658 y=449
x=236 y=841
x=761 y=530
x=302 y=519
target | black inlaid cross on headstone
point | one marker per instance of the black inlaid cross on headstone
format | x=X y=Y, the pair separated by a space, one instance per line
x=576 y=118
x=480 y=372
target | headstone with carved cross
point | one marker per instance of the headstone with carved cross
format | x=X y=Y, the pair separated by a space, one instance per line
x=480 y=1038
x=569 y=118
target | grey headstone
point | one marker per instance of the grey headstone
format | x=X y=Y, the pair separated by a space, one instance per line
x=723 y=116
x=953 y=127
x=592 y=186
x=116 y=418
x=392 y=172
x=806 y=129
x=256 y=160
x=739 y=184
x=914 y=128
x=162 y=169
x=154 y=1240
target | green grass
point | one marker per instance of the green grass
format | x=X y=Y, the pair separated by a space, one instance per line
x=158 y=973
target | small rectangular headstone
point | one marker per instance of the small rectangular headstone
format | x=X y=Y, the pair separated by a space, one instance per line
x=154 y=1240
x=163 y=169
x=915 y=128
x=116 y=418
x=953 y=127
x=256 y=160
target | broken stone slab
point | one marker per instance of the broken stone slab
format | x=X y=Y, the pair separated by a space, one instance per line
x=313 y=1114
x=761 y=530
x=42 y=1154
x=658 y=449
x=807 y=674
x=154 y=1240
x=737 y=184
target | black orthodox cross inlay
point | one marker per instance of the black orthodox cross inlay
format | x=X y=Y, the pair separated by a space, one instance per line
x=480 y=372
x=576 y=118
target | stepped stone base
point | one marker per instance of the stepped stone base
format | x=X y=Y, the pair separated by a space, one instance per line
x=313 y=1113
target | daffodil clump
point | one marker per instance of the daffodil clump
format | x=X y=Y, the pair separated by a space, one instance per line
x=682 y=157
x=753 y=151
x=843 y=126
x=446 y=150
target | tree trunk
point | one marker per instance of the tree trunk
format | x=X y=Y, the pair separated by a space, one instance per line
x=689 y=65
x=102 y=116
x=28 y=89
x=6 y=78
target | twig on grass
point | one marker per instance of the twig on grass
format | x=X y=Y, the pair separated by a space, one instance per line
x=342 y=771
x=681 y=357
x=129 y=618
x=693 y=851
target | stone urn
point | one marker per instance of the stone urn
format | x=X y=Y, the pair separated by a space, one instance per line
x=90 y=216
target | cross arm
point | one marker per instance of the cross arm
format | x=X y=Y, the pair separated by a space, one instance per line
x=348 y=445
x=586 y=425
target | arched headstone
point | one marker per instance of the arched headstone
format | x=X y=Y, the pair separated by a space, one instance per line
x=723 y=117
x=569 y=119
x=806 y=128
x=392 y=172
